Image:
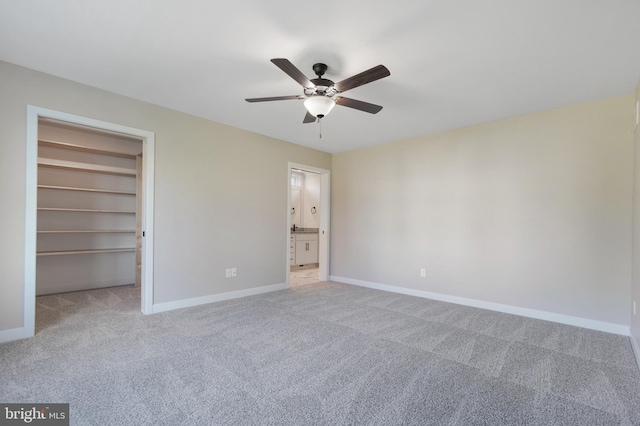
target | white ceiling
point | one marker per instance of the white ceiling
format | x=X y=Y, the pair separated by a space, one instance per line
x=453 y=63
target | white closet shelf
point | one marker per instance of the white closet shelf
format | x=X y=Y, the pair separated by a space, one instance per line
x=87 y=231
x=84 y=167
x=82 y=148
x=72 y=252
x=89 y=188
x=73 y=188
x=56 y=209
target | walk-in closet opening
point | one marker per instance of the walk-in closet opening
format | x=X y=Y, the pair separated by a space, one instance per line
x=88 y=209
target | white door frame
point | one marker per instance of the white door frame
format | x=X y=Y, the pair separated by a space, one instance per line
x=325 y=209
x=148 y=149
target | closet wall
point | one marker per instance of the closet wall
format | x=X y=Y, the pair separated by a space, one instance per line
x=88 y=190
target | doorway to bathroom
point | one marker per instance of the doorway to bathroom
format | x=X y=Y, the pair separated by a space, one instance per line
x=308 y=225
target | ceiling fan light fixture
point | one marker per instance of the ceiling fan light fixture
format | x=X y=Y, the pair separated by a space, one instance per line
x=319 y=105
x=321 y=95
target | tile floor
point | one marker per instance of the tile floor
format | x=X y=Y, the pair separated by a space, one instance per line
x=301 y=275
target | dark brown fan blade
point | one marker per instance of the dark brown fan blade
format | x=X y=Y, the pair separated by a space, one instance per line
x=359 y=105
x=275 y=98
x=293 y=72
x=309 y=118
x=373 y=74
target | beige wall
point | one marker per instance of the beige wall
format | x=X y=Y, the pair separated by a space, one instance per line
x=635 y=289
x=211 y=182
x=532 y=212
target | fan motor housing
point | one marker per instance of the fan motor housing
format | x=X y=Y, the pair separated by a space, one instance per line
x=322 y=82
x=322 y=86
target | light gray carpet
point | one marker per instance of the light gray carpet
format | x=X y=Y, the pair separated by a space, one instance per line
x=324 y=353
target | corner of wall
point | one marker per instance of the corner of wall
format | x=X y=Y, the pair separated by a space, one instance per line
x=635 y=282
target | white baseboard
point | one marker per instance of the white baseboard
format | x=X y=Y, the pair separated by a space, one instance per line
x=67 y=287
x=636 y=349
x=530 y=313
x=186 y=303
x=15 y=334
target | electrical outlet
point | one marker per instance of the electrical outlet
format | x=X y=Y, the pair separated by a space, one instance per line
x=227 y=273
x=234 y=273
x=423 y=272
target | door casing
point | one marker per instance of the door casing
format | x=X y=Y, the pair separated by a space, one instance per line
x=35 y=113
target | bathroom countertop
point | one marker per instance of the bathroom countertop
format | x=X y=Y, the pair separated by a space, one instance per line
x=305 y=231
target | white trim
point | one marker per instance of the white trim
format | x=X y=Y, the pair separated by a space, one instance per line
x=325 y=226
x=67 y=287
x=148 y=194
x=636 y=349
x=325 y=209
x=30 y=228
x=530 y=313
x=187 y=303
x=148 y=147
x=15 y=334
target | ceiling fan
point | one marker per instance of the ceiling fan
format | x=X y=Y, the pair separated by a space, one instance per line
x=321 y=95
